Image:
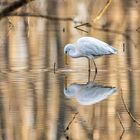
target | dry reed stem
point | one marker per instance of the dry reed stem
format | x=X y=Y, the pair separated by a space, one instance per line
x=99 y=15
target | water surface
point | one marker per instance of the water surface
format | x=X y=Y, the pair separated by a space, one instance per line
x=33 y=102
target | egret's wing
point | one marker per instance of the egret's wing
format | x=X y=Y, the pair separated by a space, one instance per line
x=87 y=94
x=95 y=94
x=93 y=46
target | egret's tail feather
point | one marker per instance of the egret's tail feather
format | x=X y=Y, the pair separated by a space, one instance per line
x=114 y=50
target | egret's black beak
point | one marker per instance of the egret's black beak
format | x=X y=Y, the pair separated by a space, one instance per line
x=65 y=82
x=65 y=58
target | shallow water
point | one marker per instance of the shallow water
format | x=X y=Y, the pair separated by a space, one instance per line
x=42 y=98
x=34 y=102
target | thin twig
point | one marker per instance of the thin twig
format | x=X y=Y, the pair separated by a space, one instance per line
x=123 y=47
x=120 y=121
x=127 y=110
x=83 y=24
x=138 y=29
x=54 y=67
x=121 y=125
x=81 y=29
x=67 y=128
x=10 y=25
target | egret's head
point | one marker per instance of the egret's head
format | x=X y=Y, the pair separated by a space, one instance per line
x=71 y=90
x=67 y=48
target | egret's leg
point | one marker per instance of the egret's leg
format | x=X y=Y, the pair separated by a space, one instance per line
x=95 y=66
x=94 y=76
x=88 y=76
x=88 y=64
x=65 y=82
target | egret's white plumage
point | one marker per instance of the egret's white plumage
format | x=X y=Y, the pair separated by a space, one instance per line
x=90 y=48
x=90 y=93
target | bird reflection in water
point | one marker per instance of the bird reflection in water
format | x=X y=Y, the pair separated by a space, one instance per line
x=89 y=93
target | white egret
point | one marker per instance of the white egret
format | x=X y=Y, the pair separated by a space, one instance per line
x=90 y=48
x=90 y=93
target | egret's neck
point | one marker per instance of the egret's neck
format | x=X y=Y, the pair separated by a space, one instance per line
x=74 y=52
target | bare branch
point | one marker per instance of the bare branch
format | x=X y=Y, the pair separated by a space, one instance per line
x=13 y=6
x=127 y=110
x=38 y=16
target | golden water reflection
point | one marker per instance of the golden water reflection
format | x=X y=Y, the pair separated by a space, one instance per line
x=32 y=72
x=33 y=105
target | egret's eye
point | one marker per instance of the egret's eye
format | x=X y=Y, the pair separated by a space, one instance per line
x=66 y=52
